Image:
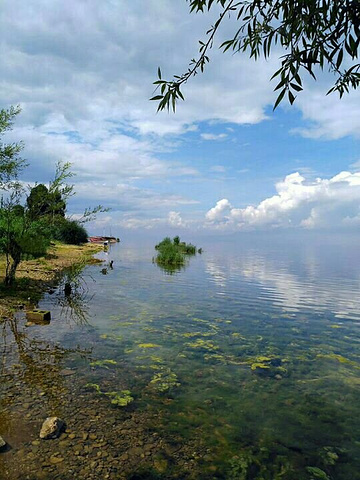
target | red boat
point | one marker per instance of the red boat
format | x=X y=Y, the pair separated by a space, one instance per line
x=103 y=239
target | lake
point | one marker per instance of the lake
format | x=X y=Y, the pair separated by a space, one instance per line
x=243 y=365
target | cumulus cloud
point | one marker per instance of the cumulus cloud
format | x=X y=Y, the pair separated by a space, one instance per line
x=175 y=219
x=220 y=212
x=321 y=203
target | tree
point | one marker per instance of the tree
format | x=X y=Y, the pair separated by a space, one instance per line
x=10 y=161
x=41 y=201
x=314 y=34
x=38 y=201
x=59 y=190
x=20 y=236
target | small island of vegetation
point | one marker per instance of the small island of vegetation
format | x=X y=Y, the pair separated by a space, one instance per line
x=172 y=253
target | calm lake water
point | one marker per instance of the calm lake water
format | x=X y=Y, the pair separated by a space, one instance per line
x=243 y=365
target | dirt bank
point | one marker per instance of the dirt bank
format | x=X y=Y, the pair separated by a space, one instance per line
x=33 y=277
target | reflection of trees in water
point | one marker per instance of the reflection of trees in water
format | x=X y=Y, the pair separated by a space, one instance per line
x=31 y=361
x=171 y=269
x=35 y=363
x=32 y=379
x=73 y=296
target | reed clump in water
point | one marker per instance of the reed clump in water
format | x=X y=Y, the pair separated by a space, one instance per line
x=173 y=252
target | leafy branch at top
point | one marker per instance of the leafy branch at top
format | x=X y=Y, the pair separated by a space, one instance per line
x=170 y=91
x=315 y=34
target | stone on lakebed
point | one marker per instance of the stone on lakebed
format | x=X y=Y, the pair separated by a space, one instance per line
x=2 y=443
x=51 y=428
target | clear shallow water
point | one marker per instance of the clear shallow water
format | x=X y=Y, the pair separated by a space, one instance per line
x=245 y=364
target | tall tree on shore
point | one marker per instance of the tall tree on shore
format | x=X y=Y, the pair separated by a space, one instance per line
x=313 y=35
x=19 y=234
x=51 y=200
x=11 y=163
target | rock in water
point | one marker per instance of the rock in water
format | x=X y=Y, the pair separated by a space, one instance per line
x=51 y=428
x=2 y=443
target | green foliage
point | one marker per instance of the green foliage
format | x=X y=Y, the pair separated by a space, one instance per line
x=90 y=213
x=187 y=249
x=172 y=252
x=69 y=231
x=313 y=34
x=164 y=243
x=19 y=235
x=10 y=162
x=59 y=188
x=48 y=204
x=170 y=255
x=42 y=202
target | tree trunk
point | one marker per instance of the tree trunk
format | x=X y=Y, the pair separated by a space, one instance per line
x=10 y=272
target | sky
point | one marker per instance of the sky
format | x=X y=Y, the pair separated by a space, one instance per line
x=225 y=162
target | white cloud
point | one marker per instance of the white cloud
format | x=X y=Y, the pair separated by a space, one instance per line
x=133 y=222
x=175 y=219
x=213 y=136
x=330 y=117
x=83 y=75
x=90 y=67
x=320 y=203
x=218 y=213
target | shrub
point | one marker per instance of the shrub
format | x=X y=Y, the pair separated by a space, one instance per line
x=70 y=232
x=164 y=243
x=170 y=255
x=172 y=252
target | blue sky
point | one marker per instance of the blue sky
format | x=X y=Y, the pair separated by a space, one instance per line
x=224 y=162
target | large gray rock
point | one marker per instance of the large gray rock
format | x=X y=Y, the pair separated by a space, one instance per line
x=51 y=428
x=2 y=443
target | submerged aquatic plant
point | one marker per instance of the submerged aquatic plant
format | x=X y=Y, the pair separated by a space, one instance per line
x=339 y=358
x=202 y=345
x=148 y=345
x=163 y=381
x=94 y=386
x=267 y=365
x=120 y=399
x=111 y=336
x=103 y=363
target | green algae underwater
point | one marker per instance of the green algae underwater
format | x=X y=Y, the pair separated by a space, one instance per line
x=243 y=366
